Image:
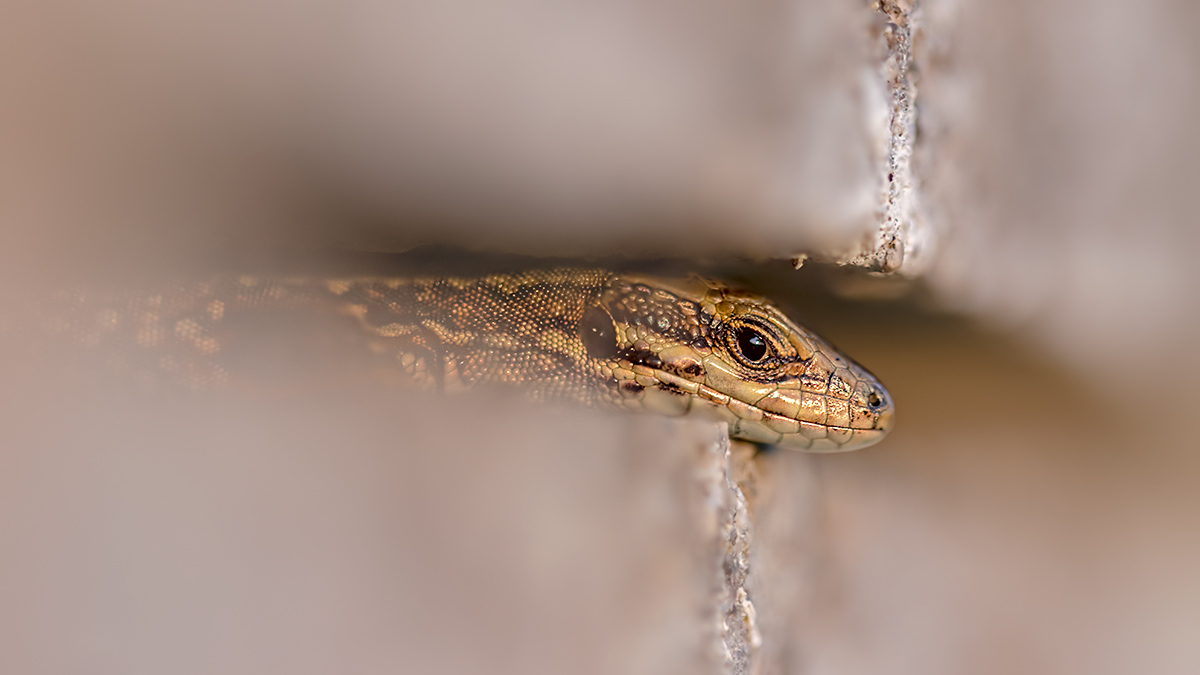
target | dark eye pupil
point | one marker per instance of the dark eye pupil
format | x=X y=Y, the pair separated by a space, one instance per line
x=751 y=344
x=598 y=333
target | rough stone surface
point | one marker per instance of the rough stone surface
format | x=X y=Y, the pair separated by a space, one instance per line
x=739 y=630
x=903 y=240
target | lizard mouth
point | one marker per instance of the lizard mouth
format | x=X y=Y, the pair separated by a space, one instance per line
x=750 y=422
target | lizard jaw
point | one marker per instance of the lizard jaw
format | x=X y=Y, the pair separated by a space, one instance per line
x=666 y=393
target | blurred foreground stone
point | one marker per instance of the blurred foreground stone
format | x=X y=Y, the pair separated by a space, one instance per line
x=297 y=522
x=525 y=126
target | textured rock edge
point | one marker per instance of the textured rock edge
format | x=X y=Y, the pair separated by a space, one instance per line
x=736 y=639
x=903 y=240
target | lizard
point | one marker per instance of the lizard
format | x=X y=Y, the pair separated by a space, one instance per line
x=589 y=336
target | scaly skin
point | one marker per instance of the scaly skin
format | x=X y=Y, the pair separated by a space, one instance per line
x=584 y=335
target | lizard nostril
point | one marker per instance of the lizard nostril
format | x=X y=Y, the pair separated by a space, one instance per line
x=874 y=400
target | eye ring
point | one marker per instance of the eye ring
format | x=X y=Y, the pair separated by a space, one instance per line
x=751 y=344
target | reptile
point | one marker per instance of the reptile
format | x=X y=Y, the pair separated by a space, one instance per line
x=588 y=336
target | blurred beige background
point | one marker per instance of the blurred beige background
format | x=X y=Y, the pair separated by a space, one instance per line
x=1033 y=511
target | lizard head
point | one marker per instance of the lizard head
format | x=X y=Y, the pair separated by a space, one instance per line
x=698 y=345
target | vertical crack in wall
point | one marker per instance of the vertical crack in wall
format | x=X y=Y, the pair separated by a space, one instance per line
x=903 y=238
x=735 y=615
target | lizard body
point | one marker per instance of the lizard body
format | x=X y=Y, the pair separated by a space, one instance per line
x=588 y=336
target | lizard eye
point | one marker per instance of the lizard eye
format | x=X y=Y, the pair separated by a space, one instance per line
x=598 y=334
x=751 y=343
